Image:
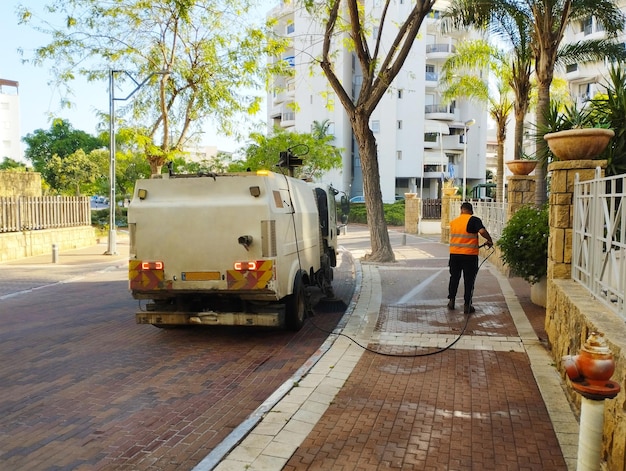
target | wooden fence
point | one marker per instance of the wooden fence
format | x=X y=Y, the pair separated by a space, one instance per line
x=431 y=208
x=31 y=213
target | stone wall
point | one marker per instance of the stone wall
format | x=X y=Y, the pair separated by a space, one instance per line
x=572 y=313
x=445 y=216
x=412 y=210
x=520 y=192
x=20 y=183
x=16 y=245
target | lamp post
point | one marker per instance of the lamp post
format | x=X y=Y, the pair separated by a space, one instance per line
x=112 y=247
x=467 y=123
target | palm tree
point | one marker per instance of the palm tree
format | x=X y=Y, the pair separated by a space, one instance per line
x=462 y=76
x=547 y=21
x=515 y=32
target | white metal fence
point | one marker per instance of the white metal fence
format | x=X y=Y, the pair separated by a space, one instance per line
x=29 y=213
x=492 y=214
x=599 y=239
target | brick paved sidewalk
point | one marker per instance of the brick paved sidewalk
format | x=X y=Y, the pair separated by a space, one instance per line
x=491 y=402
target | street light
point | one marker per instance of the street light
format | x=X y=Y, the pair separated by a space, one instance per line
x=112 y=248
x=468 y=123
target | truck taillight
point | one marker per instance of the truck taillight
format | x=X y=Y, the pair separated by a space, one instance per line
x=250 y=265
x=152 y=265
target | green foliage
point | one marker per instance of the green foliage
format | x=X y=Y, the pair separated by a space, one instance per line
x=191 y=61
x=61 y=140
x=524 y=243
x=394 y=213
x=611 y=107
x=316 y=151
x=100 y=217
x=10 y=164
x=72 y=174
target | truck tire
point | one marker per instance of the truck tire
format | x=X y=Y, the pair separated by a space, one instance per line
x=295 y=307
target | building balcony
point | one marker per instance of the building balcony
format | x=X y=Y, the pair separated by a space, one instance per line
x=439 y=52
x=453 y=142
x=443 y=112
x=288 y=119
x=431 y=80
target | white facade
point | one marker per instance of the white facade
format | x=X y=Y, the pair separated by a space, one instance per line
x=419 y=139
x=10 y=144
x=585 y=80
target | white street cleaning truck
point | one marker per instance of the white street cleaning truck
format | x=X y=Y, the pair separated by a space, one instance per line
x=230 y=248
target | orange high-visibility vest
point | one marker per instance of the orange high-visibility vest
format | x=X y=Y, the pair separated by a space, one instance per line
x=461 y=241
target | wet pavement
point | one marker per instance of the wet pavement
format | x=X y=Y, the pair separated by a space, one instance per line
x=402 y=383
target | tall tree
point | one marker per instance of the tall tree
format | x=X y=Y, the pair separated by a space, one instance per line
x=61 y=140
x=513 y=28
x=316 y=151
x=463 y=75
x=199 y=53
x=378 y=70
x=548 y=21
x=74 y=174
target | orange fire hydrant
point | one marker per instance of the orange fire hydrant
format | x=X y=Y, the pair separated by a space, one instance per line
x=590 y=374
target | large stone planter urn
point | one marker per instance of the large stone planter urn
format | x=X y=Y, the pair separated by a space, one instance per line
x=521 y=167
x=578 y=144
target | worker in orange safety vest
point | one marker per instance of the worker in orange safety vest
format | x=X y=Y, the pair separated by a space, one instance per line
x=464 y=249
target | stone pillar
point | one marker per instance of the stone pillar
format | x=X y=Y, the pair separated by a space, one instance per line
x=561 y=212
x=445 y=216
x=520 y=192
x=412 y=212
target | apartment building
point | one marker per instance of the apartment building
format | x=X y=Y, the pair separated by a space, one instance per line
x=420 y=139
x=10 y=144
x=587 y=79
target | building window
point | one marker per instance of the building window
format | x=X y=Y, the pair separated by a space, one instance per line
x=400 y=93
x=375 y=31
x=375 y=126
x=291 y=28
x=399 y=124
x=399 y=155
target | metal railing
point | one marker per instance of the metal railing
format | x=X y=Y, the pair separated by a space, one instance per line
x=30 y=213
x=599 y=239
x=492 y=214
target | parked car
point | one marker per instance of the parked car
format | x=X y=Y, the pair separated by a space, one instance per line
x=357 y=199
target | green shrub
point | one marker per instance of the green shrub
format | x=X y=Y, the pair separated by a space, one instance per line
x=524 y=243
x=394 y=213
x=100 y=217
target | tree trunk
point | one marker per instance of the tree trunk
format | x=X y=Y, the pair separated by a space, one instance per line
x=379 y=237
x=156 y=164
x=500 y=138
x=543 y=105
x=518 y=150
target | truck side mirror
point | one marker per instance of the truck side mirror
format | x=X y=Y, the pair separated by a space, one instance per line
x=345 y=205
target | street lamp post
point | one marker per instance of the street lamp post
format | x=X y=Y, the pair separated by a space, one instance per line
x=467 y=125
x=112 y=247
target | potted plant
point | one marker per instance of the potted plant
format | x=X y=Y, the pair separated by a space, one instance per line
x=449 y=188
x=576 y=134
x=524 y=246
x=522 y=166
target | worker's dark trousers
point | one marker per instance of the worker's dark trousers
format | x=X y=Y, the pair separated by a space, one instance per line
x=468 y=266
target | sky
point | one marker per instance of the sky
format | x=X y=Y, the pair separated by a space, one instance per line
x=38 y=99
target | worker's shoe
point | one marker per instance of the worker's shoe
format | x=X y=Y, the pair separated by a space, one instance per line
x=451 y=304
x=468 y=309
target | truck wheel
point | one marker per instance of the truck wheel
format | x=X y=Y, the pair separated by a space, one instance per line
x=296 y=305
